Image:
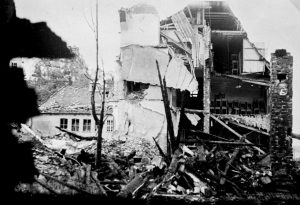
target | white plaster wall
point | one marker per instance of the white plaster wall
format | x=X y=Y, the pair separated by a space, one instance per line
x=146 y=118
x=45 y=124
x=140 y=29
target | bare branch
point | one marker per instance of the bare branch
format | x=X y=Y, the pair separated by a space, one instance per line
x=89 y=78
x=86 y=20
x=92 y=17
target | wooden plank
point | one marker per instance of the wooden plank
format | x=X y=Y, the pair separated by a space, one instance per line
x=161 y=152
x=180 y=128
x=257 y=83
x=167 y=109
x=177 y=44
x=76 y=135
x=208 y=135
x=228 y=164
x=193 y=111
x=218 y=142
x=188 y=58
x=249 y=128
x=235 y=133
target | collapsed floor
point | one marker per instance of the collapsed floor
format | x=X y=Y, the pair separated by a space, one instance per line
x=133 y=168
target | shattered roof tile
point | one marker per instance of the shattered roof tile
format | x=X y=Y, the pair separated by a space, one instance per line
x=70 y=99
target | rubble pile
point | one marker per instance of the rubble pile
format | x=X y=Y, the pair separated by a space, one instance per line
x=60 y=173
x=126 y=144
x=65 y=165
x=136 y=96
x=210 y=171
x=206 y=171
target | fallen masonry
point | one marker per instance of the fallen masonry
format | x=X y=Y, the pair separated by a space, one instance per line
x=203 y=171
x=201 y=116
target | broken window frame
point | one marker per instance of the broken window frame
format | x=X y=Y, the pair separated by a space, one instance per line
x=75 y=125
x=136 y=87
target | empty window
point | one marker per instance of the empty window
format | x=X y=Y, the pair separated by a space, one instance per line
x=281 y=76
x=63 y=123
x=14 y=65
x=133 y=86
x=122 y=16
x=86 y=125
x=110 y=125
x=75 y=124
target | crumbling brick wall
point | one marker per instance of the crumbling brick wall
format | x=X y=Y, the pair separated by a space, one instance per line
x=281 y=113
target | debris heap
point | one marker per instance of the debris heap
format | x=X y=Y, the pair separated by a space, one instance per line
x=206 y=170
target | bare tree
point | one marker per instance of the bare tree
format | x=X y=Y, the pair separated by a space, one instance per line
x=99 y=121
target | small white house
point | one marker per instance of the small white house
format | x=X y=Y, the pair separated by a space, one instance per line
x=70 y=109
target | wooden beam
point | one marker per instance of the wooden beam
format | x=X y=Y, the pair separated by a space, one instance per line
x=188 y=57
x=193 y=111
x=229 y=33
x=228 y=164
x=190 y=13
x=220 y=142
x=235 y=133
x=76 y=135
x=208 y=135
x=167 y=109
x=177 y=44
x=257 y=83
x=247 y=80
x=249 y=128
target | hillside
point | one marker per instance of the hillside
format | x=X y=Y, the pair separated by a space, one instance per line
x=50 y=75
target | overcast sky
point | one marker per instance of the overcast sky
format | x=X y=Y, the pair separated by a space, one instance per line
x=274 y=22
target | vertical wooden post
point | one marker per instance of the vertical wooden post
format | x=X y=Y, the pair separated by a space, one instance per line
x=167 y=109
x=180 y=129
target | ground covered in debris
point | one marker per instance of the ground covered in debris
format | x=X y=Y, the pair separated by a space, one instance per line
x=133 y=168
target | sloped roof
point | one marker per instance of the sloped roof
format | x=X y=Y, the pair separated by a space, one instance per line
x=70 y=99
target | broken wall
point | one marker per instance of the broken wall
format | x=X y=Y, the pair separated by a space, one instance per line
x=139 y=65
x=140 y=26
x=236 y=90
x=146 y=117
x=141 y=110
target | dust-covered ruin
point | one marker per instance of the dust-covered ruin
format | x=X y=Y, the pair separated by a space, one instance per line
x=194 y=113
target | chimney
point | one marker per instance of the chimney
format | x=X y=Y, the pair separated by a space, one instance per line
x=281 y=116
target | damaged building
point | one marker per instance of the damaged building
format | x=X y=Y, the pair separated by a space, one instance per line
x=198 y=114
x=138 y=86
x=209 y=65
x=69 y=109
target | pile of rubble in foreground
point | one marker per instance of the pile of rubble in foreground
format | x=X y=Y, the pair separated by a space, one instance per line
x=204 y=171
